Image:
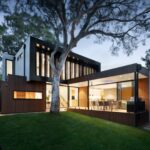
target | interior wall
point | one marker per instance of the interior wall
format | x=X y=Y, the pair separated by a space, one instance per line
x=126 y=93
x=94 y=94
x=144 y=91
x=83 y=96
x=110 y=94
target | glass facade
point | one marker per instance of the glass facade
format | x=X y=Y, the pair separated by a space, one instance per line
x=111 y=97
x=113 y=93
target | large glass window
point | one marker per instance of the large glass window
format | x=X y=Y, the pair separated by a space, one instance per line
x=63 y=96
x=112 y=96
x=103 y=92
x=125 y=91
x=63 y=90
x=73 y=97
x=27 y=95
x=9 y=67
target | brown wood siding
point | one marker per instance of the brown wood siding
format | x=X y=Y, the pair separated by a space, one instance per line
x=18 y=83
x=124 y=118
x=126 y=93
x=144 y=92
x=83 y=96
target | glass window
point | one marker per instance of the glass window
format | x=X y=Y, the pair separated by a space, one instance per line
x=125 y=91
x=68 y=70
x=72 y=70
x=27 y=95
x=43 y=64
x=37 y=64
x=106 y=92
x=77 y=70
x=73 y=97
x=84 y=70
x=9 y=67
x=63 y=96
x=48 y=65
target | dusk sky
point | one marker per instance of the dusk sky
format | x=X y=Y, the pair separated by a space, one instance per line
x=101 y=53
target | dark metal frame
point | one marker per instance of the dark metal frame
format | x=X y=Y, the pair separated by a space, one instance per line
x=72 y=58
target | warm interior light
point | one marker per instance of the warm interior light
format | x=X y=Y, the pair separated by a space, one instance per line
x=38 y=45
x=27 y=95
x=43 y=46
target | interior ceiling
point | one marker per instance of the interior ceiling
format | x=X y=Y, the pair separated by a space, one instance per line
x=118 y=78
x=112 y=79
x=111 y=86
x=80 y=84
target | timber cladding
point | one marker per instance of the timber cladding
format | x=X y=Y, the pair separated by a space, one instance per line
x=83 y=96
x=123 y=118
x=18 y=83
x=144 y=92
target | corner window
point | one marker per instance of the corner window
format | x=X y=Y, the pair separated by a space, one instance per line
x=27 y=95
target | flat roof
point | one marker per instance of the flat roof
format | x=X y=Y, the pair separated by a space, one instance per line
x=72 y=54
x=112 y=72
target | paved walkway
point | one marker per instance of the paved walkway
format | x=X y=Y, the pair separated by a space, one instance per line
x=147 y=127
x=20 y=113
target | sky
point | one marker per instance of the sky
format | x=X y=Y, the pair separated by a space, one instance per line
x=102 y=54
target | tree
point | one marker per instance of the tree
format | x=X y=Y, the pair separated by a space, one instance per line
x=121 y=21
x=146 y=59
x=18 y=25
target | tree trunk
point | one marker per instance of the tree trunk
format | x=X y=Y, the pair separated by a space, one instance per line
x=55 y=94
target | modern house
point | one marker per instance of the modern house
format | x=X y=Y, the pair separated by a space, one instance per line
x=120 y=94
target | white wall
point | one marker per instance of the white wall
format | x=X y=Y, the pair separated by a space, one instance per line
x=27 y=59
x=19 y=60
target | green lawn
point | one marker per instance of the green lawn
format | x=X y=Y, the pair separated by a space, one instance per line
x=68 y=131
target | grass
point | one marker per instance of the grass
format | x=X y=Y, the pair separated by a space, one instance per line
x=68 y=131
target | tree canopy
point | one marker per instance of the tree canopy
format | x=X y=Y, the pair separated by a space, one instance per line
x=18 y=25
x=146 y=59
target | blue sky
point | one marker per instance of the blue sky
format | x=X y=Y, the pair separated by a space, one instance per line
x=101 y=53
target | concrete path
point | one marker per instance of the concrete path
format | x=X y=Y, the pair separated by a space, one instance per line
x=21 y=113
x=146 y=127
